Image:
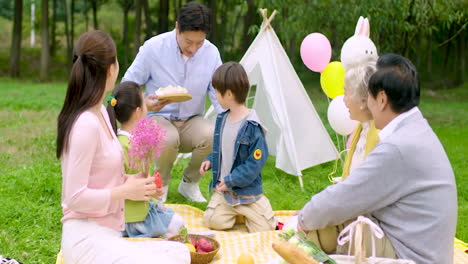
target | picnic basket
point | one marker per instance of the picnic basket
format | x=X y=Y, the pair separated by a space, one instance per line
x=353 y=234
x=200 y=257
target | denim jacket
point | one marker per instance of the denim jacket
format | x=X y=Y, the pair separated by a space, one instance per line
x=250 y=155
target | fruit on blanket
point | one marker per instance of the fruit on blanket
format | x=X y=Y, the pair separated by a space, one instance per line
x=245 y=258
x=190 y=247
x=204 y=245
x=157 y=179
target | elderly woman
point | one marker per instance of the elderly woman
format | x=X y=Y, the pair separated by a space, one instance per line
x=365 y=136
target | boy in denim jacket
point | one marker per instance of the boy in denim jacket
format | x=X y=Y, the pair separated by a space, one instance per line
x=239 y=154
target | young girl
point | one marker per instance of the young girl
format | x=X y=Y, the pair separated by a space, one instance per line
x=94 y=185
x=142 y=218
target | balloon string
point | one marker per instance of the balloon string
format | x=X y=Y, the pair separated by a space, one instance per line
x=335 y=167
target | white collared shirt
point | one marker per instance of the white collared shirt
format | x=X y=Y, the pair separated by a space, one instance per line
x=390 y=127
x=121 y=132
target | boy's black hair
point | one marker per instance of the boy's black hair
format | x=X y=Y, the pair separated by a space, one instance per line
x=232 y=76
x=194 y=16
x=129 y=98
x=398 y=78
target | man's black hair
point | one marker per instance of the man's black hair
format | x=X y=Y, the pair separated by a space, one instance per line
x=194 y=16
x=398 y=78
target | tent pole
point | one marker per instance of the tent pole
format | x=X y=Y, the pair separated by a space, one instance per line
x=301 y=183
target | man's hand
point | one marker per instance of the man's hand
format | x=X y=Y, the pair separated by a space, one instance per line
x=206 y=165
x=155 y=105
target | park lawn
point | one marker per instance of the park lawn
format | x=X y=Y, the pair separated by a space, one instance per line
x=30 y=177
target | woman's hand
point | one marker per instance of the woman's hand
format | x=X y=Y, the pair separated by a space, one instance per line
x=206 y=165
x=136 y=187
x=155 y=105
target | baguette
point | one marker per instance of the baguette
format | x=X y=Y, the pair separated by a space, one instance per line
x=292 y=253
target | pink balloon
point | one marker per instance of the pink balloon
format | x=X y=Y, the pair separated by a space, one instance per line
x=316 y=52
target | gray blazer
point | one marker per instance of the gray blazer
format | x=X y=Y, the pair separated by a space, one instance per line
x=408 y=185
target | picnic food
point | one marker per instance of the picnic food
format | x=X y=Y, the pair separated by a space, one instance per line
x=203 y=245
x=157 y=179
x=295 y=244
x=190 y=247
x=292 y=253
x=173 y=93
x=245 y=258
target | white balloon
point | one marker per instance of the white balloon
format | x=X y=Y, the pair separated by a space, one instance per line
x=338 y=117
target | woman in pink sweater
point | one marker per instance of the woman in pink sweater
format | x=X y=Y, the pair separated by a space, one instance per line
x=94 y=185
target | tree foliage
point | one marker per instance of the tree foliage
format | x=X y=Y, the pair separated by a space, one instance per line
x=432 y=33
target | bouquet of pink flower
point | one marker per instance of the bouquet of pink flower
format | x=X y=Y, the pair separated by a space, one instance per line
x=146 y=144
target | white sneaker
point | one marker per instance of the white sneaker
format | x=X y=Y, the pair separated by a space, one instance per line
x=191 y=191
x=164 y=196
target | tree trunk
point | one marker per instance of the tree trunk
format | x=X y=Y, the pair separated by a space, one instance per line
x=45 y=55
x=214 y=36
x=462 y=47
x=127 y=4
x=16 y=39
x=137 y=31
x=53 y=41
x=429 y=56
x=72 y=22
x=234 y=32
x=86 y=17
x=69 y=54
x=248 y=21
x=222 y=31
x=447 y=49
x=149 y=23
x=409 y=19
x=94 y=6
x=418 y=55
x=163 y=22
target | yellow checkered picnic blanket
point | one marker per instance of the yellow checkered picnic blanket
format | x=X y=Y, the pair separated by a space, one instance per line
x=237 y=241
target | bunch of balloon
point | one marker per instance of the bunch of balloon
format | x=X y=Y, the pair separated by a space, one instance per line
x=316 y=54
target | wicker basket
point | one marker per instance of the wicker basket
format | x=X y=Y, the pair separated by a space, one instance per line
x=200 y=257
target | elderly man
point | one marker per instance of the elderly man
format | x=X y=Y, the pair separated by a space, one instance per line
x=182 y=57
x=406 y=184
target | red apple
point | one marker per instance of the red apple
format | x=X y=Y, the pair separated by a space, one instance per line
x=204 y=245
x=193 y=241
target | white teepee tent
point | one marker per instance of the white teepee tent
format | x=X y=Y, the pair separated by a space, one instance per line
x=296 y=135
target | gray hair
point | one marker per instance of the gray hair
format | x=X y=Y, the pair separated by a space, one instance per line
x=358 y=74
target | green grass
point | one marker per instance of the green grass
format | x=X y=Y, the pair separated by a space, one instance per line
x=30 y=177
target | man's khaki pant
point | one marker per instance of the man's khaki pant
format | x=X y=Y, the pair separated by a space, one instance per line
x=326 y=239
x=193 y=135
x=259 y=216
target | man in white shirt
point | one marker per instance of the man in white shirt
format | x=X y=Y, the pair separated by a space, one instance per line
x=182 y=57
x=406 y=184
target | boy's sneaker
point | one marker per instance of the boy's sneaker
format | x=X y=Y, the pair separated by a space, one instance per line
x=8 y=261
x=191 y=191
